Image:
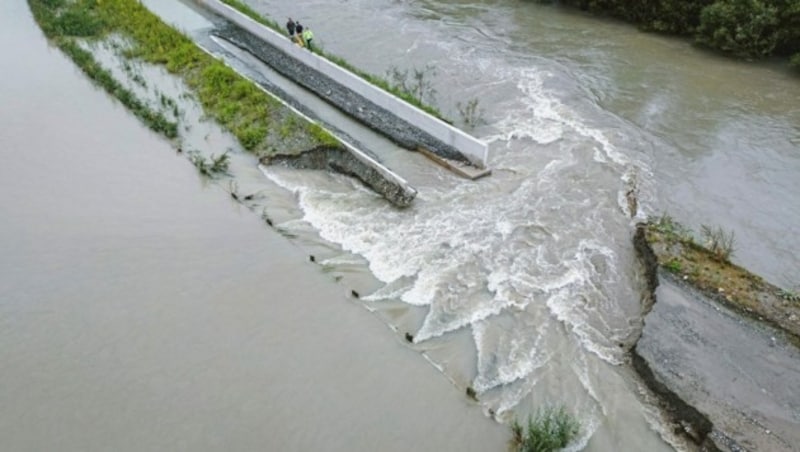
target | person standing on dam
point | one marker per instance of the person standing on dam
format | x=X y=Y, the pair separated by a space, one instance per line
x=308 y=36
x=290 y=28
x=298 y=36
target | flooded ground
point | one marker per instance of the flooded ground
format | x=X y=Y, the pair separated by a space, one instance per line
x=521 y=285
x=141 y=309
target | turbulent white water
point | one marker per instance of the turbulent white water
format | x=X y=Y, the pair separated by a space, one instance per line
x=527 y=262
x=522 y=285
x=535 y=263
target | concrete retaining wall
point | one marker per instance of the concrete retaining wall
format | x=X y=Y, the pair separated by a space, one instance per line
x=403 y=123
x=353 y=164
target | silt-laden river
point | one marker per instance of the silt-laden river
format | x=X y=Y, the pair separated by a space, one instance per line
x=522 y=285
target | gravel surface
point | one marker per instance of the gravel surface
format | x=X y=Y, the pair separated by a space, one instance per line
x=350 y=102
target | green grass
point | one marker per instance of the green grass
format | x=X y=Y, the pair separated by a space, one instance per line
x=341 y=62
x=61 y=22
x=233 y=101
x=549 y=430
x=707 y=268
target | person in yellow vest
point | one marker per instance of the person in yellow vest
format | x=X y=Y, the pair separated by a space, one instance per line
x=308 y=36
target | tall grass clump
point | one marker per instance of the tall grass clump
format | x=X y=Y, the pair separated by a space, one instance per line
x=417 y=83
x=471 y=114
x=549 y=430
x=211 y=166
x=667 y=224
x=719 y=242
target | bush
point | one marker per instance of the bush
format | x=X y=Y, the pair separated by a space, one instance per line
x=746 y=28
x=678 y=16
x=795 y=61
x=789 y=27
x=550 y=430
x=471 y=114
x=719 y=242
x=212 y=166
x=742 y=28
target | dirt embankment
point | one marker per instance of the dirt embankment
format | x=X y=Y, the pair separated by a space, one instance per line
x=710 y=272
x=718 y=346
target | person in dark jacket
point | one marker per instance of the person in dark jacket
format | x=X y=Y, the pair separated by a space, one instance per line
x=290 y=27
x=298 y=34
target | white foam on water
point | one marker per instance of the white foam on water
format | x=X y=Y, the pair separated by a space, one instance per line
x=521 y=258
x=391 y=291
x=534 y=115
x=504 y=357
x=343 y=260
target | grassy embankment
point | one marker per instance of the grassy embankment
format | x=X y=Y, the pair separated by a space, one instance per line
x=341 y=62
x=707 y=268
x=253 y=117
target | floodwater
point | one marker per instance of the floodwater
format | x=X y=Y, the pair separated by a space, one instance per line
x=144 y=308
x=523 y=285
x=141 y=309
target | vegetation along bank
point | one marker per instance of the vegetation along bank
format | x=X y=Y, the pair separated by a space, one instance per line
x=751 y=29
x=262 y=124
x=253 y=117
x=720 y=346
x=705 y=265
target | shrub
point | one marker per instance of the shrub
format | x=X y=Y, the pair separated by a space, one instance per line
x=549 y=430
x=417 y=85
x=674 y=265
x=677 y=16
x=212 y=166
x=795 y=61
x=666 y=224
x=789 y=26
x=719 y=242
x=746 y=28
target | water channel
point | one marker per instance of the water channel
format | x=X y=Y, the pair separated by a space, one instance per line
x=532 y=267
x=521 y=285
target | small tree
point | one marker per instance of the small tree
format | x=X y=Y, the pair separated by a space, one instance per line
x=718 y=241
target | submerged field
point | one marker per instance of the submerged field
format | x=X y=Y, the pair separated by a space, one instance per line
x=261 y=123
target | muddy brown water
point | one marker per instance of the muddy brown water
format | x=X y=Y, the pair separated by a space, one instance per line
x=140 y=309
x=522 y=285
